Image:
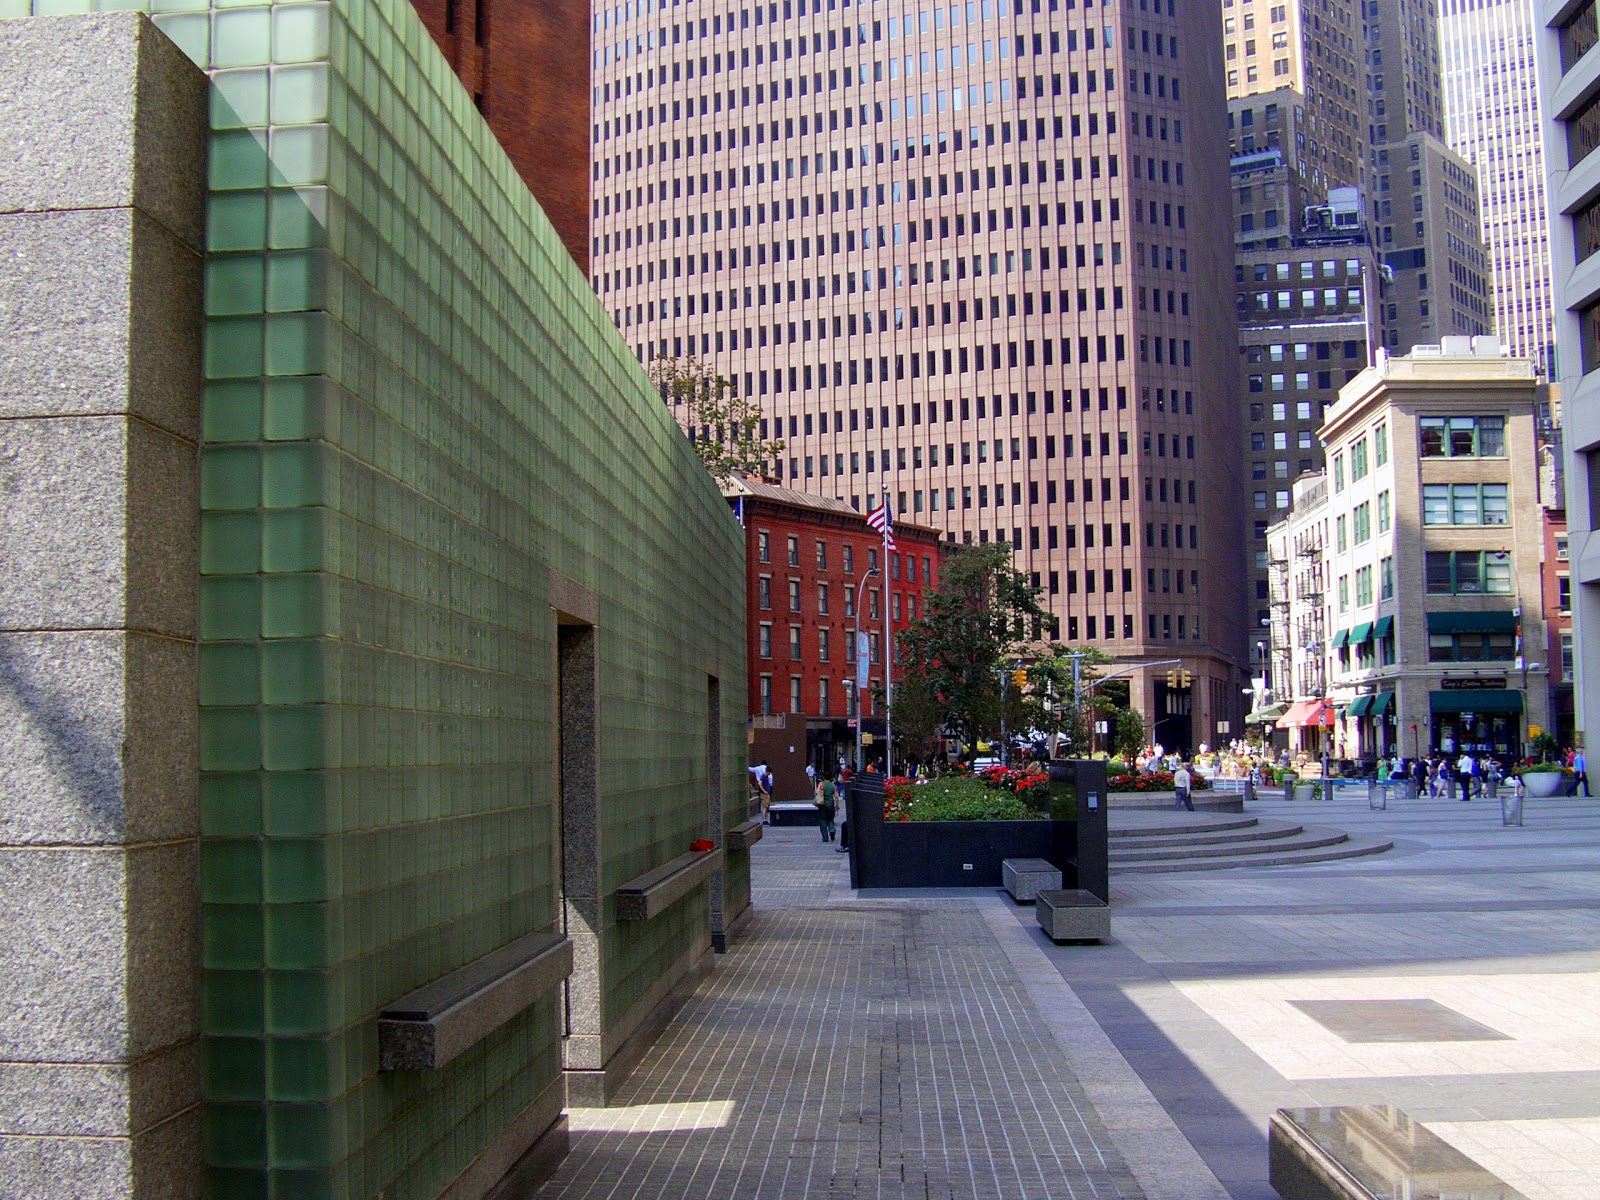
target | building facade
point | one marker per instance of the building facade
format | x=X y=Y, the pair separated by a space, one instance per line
x=1568 y=73
x=1296 y=677
x=1492 y=119
x=1435 y=539
x=818 y=574
x=961 y=255
x=368 y=627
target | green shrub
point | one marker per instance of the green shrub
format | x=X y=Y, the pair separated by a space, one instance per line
x=956 y=798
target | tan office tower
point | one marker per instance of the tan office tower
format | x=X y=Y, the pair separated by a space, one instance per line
x=971 y=254
x=1300 y=61
x=1491 y=105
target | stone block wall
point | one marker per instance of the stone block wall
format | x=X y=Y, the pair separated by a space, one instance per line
x=101 y=234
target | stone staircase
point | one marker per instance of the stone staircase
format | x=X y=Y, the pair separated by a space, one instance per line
x=1143 y=842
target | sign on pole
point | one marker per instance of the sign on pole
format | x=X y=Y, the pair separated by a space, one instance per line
x=863 y=663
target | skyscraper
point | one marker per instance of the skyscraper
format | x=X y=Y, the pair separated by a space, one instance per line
x=1491 y=107
x=968 y=254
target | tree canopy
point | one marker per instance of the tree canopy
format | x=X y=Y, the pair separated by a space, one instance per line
x=723 y=426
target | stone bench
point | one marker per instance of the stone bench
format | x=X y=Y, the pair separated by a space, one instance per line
x=1073 y=915
x=1025 y=878
x=793 y=812
x=1356 y=1152
x=651 y=894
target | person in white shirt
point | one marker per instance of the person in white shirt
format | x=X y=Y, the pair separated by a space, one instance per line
x=1183 y=781
x=1464 y=766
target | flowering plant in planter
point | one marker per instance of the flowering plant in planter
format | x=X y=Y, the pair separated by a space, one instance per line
x=1153 y=781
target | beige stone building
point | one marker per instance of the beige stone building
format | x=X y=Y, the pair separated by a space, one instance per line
x=966 y=255
x=1432 y=563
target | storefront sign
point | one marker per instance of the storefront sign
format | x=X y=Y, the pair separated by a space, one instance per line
x=1472 y=685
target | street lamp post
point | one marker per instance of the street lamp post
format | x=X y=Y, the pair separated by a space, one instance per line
x=862 y=664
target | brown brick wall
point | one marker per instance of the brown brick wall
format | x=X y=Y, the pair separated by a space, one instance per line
x=532 y=72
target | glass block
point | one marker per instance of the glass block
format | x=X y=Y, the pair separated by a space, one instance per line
x=307 y=1136
x=241 y=38
x=231 y=411
x=305 y=1068
x=294 y=408
x=10 y=9
x=292 y=475
x=237 y=221
x=236 y=1183
x=230 y=869
x=230 y=543
x=236 y=1134
x=232 y=937
x=230 y=740
x=296 y=280
x=230 y=804
x=299 y=94
x=300 y=936
x=293 y=673
x=238 y=160
x=295 y=343
x=304 y=1002
x=292 y=539
x=235 y=1068
x=292 y=606
x=298 y=738
x=300 y=803
x=300 y=870
x=60 y=8
x=239 y=99
x=230 y=478
x=230 y=607
x=297 y=217
x=235 y=284
x=299 y=32
x=299 y=155
x=234 y=347
x=230 y=674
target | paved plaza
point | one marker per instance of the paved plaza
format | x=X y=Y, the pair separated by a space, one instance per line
x=935 y=1044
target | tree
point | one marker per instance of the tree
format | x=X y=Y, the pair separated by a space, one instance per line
x=723 y=426
x=973 y=626
x=917 y=714
x=1128 y=734
x=1049 y=704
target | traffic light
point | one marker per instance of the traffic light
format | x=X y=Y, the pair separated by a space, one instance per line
x=1172 y=677
x=1178 y=679
x=1019 y=678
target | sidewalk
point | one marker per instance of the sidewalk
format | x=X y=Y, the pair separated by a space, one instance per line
x=936 y=1045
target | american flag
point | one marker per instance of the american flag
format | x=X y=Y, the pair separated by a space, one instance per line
x=881 y=520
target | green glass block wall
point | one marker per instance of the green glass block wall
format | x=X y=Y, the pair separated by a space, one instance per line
x=415 y=410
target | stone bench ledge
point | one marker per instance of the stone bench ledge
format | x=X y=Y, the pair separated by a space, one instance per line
x=1073 y=915
x=424 y=1029
x=742 y=837
x=1025 y=878
x=651 y=894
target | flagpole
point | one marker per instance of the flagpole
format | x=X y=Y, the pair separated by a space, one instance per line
x=888 y=648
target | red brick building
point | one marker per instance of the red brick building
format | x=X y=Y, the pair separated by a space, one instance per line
x=1557 y=586
x=816 y=573
x=527 y=68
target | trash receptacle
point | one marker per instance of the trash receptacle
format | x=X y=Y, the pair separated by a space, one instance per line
x=1511 y=805
x=1377 y=794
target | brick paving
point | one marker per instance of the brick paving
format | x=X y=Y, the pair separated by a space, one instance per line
x=850 y=1049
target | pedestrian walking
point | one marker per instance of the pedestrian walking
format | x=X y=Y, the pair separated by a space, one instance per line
x=1464 y=768
x=764 y=785
x=826 y=798
x=1581 y=778
x=1182 y=782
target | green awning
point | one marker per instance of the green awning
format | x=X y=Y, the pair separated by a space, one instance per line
x=1472 y=622
x=1361 y=706
x=1267 y=715
x=1383 y=701
x=1476 y=700
x=1340 y=638
x=1381 y=629
x=1361 y=633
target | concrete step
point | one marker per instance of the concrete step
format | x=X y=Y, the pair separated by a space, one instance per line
x=1259 y=831
x=1274 y=855
x=1312 y=838
x=1132 y=825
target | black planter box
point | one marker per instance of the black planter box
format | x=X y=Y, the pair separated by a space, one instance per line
x=941 y=854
